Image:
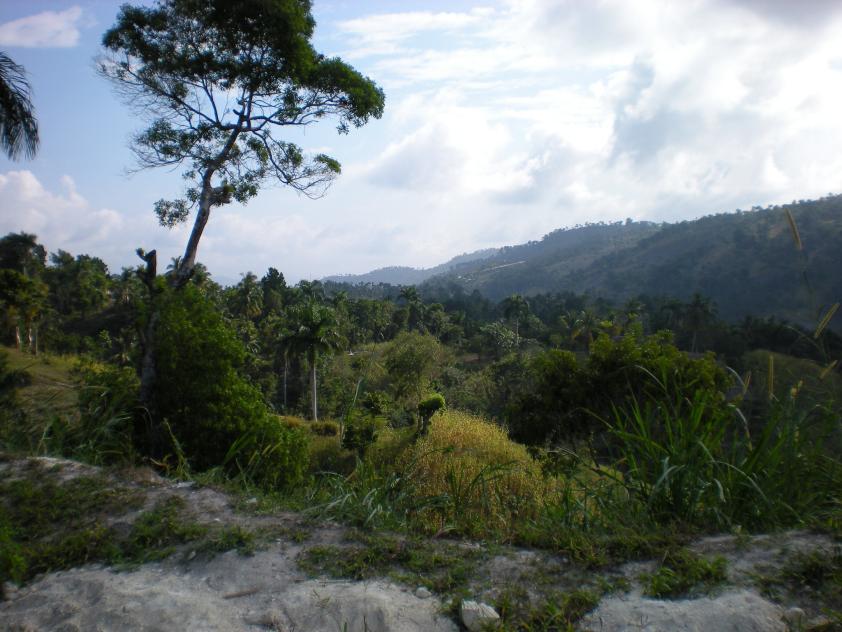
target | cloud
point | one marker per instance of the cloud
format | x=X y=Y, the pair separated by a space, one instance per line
x=639 y=107
x=48 y=29
x=65 y=220
x=387 y=33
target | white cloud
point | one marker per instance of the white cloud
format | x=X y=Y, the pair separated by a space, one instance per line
x=48 y=29
x=65 y=220
x=653 y=108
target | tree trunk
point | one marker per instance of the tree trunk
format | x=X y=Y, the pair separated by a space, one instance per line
x=30 y=343
x=313 y=389
x=286 y=370
x=36 y=340
x=18 y=341
x=148 y=373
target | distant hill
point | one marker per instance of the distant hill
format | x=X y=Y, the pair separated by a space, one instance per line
x=403 y=275
x=746 y=261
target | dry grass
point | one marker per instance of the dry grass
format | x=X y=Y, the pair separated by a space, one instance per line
x=471 y=478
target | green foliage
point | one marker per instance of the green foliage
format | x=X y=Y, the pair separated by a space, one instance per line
x=428 y=406
x=444 y=568
x=105 y=430
x=324 y=428
x=691 y=459
x=682 y=572
x=12 y=560
x=270 y=455
x=556 y=396
x=198 y=389
x=156 y=532
x=360 y=432
x=412 y=360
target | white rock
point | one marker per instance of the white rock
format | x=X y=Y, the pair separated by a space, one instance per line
x=795 y=617
x=423 y=593
x=735 y=611
x=477 y=616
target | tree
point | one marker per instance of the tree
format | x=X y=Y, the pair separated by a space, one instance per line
x=18 y=125
x=515 y=308
x=218 y=82
x=314 y=332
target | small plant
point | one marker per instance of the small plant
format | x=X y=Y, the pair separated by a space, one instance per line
x=427 y=408
x=681 y=572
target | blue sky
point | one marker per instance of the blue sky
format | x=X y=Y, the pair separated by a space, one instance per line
x=504 y=120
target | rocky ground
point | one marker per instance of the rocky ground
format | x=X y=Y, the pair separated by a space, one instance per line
x=295 y=575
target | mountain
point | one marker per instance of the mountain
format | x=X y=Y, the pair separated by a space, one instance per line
x=746 y=261
x=404 y=275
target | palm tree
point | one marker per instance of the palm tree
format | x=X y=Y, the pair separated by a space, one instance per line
x=314 y=330
x=18 y=126
x=515 y=307
x=699 y=313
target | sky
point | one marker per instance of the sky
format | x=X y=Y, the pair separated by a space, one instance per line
x=504 y=120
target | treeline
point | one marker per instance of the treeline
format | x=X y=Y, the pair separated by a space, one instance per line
x=337 y=351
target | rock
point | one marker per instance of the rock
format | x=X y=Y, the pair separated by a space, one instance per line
x=736 y=611
x=477 y=616
x=795 y=617
x=423 y=593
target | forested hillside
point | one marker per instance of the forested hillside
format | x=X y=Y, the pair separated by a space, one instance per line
x=747 y=262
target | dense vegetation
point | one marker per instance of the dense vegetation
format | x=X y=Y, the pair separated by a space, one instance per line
x=743 y=261
x=654 y=412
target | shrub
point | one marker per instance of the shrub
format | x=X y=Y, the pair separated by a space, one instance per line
x=292 y=422
x=470 y=477
x=198 y=389
x=428 y=407
x=270 y=455
x=360 y=433
x=327 y=455
x=107 y=399
x=325 y=428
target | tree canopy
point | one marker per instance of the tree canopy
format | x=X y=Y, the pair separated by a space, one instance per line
x=218 y=82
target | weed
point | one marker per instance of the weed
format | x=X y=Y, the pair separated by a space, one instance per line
x=681 y=572
x=555 y=611
x=155 y=533
x=444 y=568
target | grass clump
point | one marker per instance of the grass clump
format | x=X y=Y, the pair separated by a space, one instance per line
x=156 y=533
x=468 y=477
x=682 y=573
x=555 y=611
x=442 y=567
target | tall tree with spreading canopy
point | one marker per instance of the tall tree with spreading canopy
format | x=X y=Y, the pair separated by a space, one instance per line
x=18 y=125
x=220 y=82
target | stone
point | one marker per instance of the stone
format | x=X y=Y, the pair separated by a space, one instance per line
x=733 y=611
x=423 y=593
x=795 y=617
x=477 y=616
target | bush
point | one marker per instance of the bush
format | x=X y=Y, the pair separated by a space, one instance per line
x=270 y=455
x=428 y=407
x=557 y=397
x=470 y=477
x=107 y=399
x=360 y=433
x=325 y=428
x=327 y=455
x=199 y=389
x=292 y=422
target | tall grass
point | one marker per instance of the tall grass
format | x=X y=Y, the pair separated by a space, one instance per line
x=688 y=461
